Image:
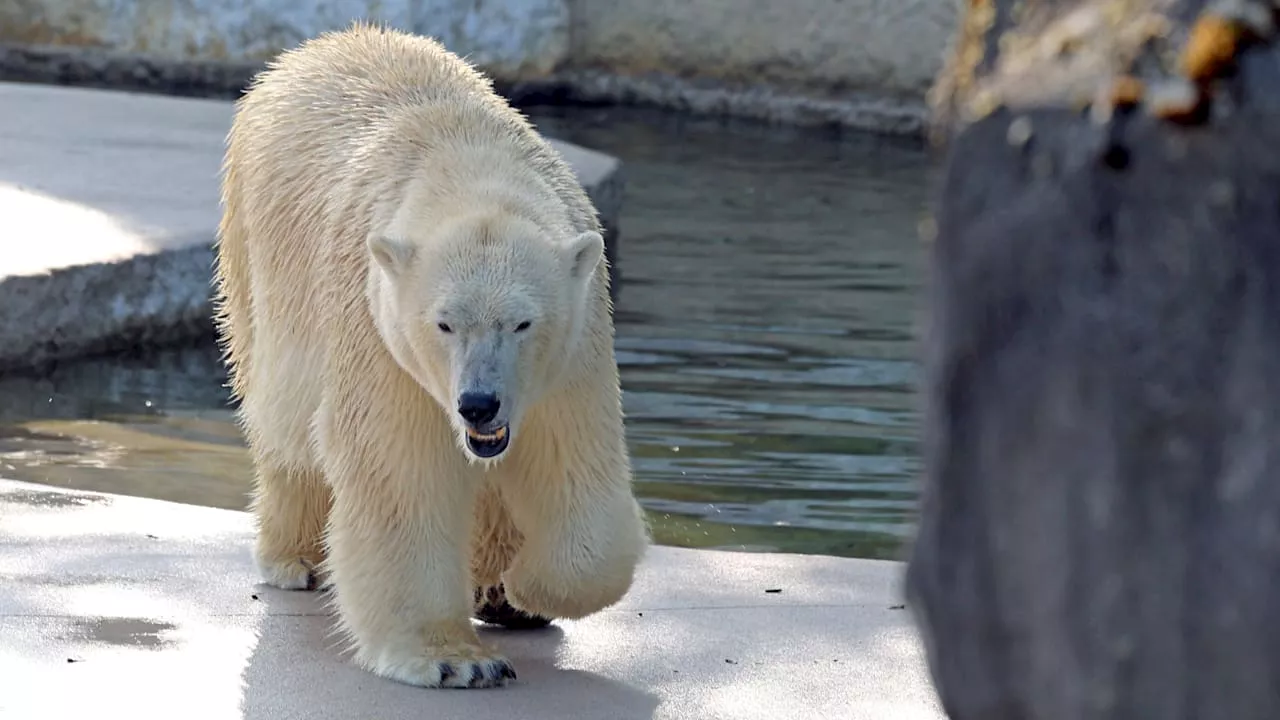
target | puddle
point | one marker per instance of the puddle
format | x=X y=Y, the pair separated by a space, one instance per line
x=122 y=632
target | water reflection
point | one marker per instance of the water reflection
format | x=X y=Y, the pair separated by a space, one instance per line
x=765 y=326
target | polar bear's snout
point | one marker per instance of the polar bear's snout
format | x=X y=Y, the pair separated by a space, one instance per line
x=486 y=363
x=487 y=436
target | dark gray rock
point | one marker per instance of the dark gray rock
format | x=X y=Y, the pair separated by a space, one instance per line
x=1100 y=526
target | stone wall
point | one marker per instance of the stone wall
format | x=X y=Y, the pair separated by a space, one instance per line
x=513 y=38
x=863 y=63
x=825 y=46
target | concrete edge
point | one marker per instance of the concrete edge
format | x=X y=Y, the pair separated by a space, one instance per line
x=96 y=67
x=165 y=298
x=105 y=307
x=860 y=111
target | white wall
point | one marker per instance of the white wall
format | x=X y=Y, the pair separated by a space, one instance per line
x=893 y=46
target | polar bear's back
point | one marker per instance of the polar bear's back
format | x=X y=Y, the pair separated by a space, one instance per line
x=348 y=116
x=325 y=107
x=354 y=74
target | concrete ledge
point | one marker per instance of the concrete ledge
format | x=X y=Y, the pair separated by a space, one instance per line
x=112 y=604
x=113 y=204
x=147 y=299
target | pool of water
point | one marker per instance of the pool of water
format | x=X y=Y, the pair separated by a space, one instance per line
x=765 y=335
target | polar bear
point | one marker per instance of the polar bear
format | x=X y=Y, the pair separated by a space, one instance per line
x=413 y=303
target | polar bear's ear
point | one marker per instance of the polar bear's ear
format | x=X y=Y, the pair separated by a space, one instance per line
x=584 y=253
x=393 y=255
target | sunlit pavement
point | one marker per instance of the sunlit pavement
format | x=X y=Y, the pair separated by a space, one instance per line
x=149 y=609
x=94 y=176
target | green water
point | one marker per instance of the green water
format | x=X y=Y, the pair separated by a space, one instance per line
x=765 y=325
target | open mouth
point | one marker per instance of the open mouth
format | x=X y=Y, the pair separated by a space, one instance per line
x=487 y=446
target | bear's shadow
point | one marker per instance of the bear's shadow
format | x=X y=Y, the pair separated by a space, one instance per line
x=298 y=670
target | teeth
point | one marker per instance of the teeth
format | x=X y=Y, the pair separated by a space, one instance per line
x=495 y=437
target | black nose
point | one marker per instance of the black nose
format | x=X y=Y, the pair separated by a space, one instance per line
x=478 y=408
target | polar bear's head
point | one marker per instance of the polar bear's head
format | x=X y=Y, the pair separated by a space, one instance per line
x=485 y=312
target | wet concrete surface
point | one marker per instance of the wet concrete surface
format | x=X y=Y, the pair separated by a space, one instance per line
x=149 y=609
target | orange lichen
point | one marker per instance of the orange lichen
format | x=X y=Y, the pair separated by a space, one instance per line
x=1086 y=54
x=959 y=74
x=1211 y=48
x=1067 y=55
x=1126 y=91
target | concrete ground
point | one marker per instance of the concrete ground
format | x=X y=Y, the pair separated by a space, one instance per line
x=110 y=202
x=148 y=609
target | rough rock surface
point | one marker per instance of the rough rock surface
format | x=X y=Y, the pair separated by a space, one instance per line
x=1100 y=526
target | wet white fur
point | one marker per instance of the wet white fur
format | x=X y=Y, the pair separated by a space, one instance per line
x=372 y=179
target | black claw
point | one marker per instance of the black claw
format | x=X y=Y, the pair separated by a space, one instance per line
x=477 y=674
x=446 y=672
x=498 y=611
x=312 y=577
x=508 y=671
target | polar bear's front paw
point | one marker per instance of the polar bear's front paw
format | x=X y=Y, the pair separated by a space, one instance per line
x=564 y=596
x=469 y=666
x=289 y=573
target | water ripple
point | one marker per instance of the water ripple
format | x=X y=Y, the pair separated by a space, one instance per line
x=765 y=329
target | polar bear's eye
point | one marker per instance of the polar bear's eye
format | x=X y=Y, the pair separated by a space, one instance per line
x=523 y=326
x=444 y=328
